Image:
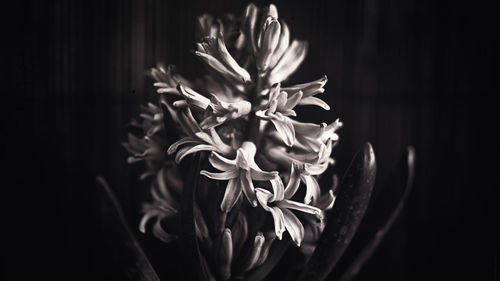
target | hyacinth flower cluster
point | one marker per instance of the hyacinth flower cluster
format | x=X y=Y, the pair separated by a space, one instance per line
x=262 y=163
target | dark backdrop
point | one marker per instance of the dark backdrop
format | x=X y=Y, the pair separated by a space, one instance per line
x=400 y=72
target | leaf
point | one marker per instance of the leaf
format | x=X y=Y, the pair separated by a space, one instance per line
x=131 y=255
x=342 y=222
x=381 y=215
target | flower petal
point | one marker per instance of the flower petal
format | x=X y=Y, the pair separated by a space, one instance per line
x=226 y=175
x=193 y=98
x=312 y=189
x=260 y=175
x=293 y=182
x=289 y=204
x=293 y=226
x=279 y=221
x=248 y=188
x=293 y=100
x=221 y=163
x=271 y=35
x=231 y=195
x=285 y=130
x=289 y=62
x=282 y=45
x=183 y=152
x=187 y=140
x=229 y=61
x=309 y=89
x=314 y=101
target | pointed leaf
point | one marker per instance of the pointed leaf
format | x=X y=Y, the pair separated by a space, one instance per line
x=343 y=221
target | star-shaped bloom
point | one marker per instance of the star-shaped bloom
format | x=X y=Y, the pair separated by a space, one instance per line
x=308 y=91
x=213 y=51
x=280 y=206
x=278 y=109
x=197 y=139
x=240 y=173
x=167 y=79
x=310 y=136
x=216 y=111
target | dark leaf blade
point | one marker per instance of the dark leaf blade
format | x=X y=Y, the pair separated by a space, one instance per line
x=352 y=201
x=132 y=257
x=402 y=177
x=194 y=266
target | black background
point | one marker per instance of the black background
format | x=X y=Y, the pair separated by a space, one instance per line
x=400 y=72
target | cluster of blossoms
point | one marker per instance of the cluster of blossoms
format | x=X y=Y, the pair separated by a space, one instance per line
x=241 y=113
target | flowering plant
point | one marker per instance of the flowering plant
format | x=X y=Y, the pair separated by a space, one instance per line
x=234 y=172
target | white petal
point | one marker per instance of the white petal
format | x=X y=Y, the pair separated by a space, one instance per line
x=260 y=175
x=312 y=189
x=285 y=129
x=229 y=61
x=226 y=175
x=293 y=226
x=282 y=45
x=289 y=62
x=314 y=101
x=187 y=140
x=188 y=150
x=248 y=188
x=221 y=163
x=309 y=89
x=293 y=182
x=193 y=97
x=289 y=204
x=231 y=195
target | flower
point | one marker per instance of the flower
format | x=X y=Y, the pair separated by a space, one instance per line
x=240 y=172
x=213 y=51
x=280 y=206
x=216 y=110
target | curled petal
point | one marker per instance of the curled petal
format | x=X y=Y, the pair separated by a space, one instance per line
x=193 y=98
x=183 y=152
x=221 y=163
x=314 y=101
x=229 y=61
x=326 y=201
x=187 y=140
x=312 y=190
x=309 y=89
x=226 y=175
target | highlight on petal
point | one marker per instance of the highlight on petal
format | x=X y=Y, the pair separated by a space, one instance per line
x=293 y=226
x=285 y=129
x=226 y=175
x=231 y=195
x=221 y=163
x=248 y=188
x=314 y=101
x=289 y=62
